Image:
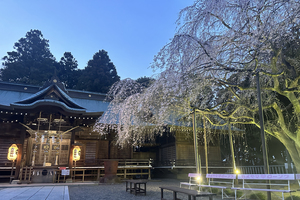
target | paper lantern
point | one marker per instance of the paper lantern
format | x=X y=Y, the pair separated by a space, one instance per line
x=76 y=153
x=12 y=152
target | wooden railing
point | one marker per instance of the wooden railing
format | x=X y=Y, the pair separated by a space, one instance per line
x=127 y=168
x=274 y=169
x=7 y=173
x=185 y=163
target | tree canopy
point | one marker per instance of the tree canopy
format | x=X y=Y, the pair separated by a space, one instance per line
x=67 y=70
x=145 y=81
x=31 y=62
x=211 y=65
x=99 y=74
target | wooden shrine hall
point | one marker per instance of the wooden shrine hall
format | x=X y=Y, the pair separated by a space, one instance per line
x=42 y=127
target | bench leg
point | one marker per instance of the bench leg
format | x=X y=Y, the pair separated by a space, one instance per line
x=161 y=193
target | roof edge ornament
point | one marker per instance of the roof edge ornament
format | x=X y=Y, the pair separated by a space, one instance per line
x=54 y=81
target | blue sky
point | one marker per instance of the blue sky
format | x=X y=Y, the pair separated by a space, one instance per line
x=131 y=31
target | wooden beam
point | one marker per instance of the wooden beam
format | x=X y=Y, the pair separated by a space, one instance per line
x=20 y=153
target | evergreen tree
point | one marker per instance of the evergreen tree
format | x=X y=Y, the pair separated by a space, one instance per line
x=67 y=70
x=99 y=75
x=145 y=81
x=31 y=62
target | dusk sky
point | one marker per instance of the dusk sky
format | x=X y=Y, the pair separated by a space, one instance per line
x=131 y=31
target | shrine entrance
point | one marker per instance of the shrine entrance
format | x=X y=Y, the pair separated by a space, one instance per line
x=50 y=139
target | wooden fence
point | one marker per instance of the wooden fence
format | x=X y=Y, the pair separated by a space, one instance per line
x=127 y=168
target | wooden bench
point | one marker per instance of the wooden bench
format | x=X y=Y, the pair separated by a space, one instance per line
x=135 y=186
x=194 y=179
x=256 y=182
x=190 y=193
x=220 y=181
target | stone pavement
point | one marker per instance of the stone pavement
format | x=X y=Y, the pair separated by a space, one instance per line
x=35 y=193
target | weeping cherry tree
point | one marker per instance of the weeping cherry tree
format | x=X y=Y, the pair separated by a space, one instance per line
x=211 y=63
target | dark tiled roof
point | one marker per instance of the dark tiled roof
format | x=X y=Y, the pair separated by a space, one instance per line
x=20 y=96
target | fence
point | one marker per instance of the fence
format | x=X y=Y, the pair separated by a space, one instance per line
x=274 y=169
x=186 y=162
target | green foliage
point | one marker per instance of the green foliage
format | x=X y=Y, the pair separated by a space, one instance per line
x=99 y=75
x=67 y=70
x=239 y=193
x=31 y=62
x=215 y=190
x=258 y=195
x=145 y=81
x=293 y=197
x=229 y=192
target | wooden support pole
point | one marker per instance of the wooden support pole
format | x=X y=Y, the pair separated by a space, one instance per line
x=205 y=146
x=71 y=157
x=149 y=174
x=197 y=156
x=231 y=146
x=71 y=149
x=18 y=160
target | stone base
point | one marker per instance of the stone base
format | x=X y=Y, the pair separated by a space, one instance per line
x=69 y=180
x=16 y=182
x=110 y=179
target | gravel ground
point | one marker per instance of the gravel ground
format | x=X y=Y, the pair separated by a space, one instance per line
x=117 y=191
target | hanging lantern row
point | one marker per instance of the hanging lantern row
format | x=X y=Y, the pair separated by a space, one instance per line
x=16 y=121
x=81 y=117
x=85 y=125
x=12 y=113
x=16 y=113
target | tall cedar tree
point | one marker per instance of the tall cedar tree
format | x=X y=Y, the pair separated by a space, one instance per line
x=31 y=62
x=99 y=75
x=67 y=70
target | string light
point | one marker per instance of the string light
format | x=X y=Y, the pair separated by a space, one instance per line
x=17 y=113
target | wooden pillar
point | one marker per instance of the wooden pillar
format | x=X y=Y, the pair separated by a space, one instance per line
x=149 y=174
x=71 y=149
x=205 y=145
x=29 y=152
x=18 y=161
x=197 y=155
x=72 y=137
x=20 y=152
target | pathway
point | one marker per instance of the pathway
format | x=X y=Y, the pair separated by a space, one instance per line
x=35 y=193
